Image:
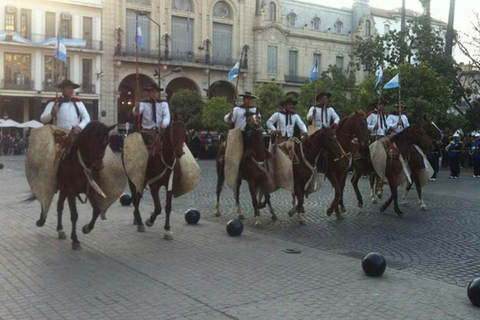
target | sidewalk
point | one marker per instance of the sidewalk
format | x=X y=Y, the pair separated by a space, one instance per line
x=201 y=274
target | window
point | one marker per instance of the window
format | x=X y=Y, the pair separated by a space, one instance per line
x=386 y=28
x=144 y=2
x=339 y=62
x=182 y=38
x=52 y=79
x=292 y=62
x=338 y=27
x=87 y=31
x=222 y=43
x=50 y=25
x=316 y=23
x=317 y=57
x=272 y=10
x=87 y=85
x=65 y=26
x=130 y=31
x=368 y=29
x=25 y=22
x=221 y=10
x=18 y=71
x=272 y=59
x=292 y=19
x=182 y=5
x=10 y=18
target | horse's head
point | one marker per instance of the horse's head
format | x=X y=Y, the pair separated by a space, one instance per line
x=432 y=129
x=254 y=122
x=325 y=139
x=176 y=135
x=418 y=136
x=92 y=143
x=356 y=126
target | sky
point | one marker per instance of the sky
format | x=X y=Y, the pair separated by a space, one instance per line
x=439 y=10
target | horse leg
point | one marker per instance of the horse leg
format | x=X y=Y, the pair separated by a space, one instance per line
x=356 y=176
x=396 y=208
x=220 y=181
x=240 y=214
x=154 y=190
x=294 y=208
x=416 y=179
x=336 y=185
x=270 y=208
x=405 y=194
x=300 y=209
x=392 y=183
x=137 y=219
x=60 y=203
x=342 y=183
x=372 y=178
x=168 y=208
x=253 y=194
x=73 y=218
x=96 y=212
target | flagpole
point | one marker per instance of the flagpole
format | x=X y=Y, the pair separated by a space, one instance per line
x=239 y=69
x=137 y=79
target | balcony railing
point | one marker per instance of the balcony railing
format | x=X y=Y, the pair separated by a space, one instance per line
x=291 y=78
x=36 y=38
x=18 y=84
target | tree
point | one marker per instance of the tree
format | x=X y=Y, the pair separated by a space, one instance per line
x=187 y=106
x=269 y=98
x=450 y=31
x=472 y=117
x=213 y=113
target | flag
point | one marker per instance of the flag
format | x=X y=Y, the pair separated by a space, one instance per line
x=394 y=83
x=139 y=35
x=234 y=72
x=314 y=72
x=60 y=50
x=379 y=76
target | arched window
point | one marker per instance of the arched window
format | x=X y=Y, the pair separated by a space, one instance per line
x=316 y=23
x=222 y=10
x=292 y=19
x=386 y=28
x=182 y=5
x=272 y=10
x=368 y=28
x=338 y=27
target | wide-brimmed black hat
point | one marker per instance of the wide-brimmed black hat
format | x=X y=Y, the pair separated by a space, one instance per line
x=288 y=100
x=375 y=103
x=248 y=94
x=153 y=86
x=403 y=106
x=67 y=83
x=323 y=93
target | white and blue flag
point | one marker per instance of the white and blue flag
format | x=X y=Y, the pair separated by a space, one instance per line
x=314 y=72
x=234 y=72
x=60 y=50
x=394 y=83
x=379 y=76
x=139 y=35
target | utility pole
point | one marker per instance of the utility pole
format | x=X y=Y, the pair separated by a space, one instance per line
x=450 y=31
x=207 y=43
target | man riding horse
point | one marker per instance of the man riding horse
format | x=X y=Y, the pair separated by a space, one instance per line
x=155 y=112
x=377 y=120
x=322 y=115
x=284 y=122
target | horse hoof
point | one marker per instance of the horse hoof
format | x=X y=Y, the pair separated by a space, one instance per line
x=404 y=204
x=274 y=218
x=329 y=212
x=241 y=216
x=135 y=223
x=374 y=201
x=141 y=228
x=168 y=235
x=62 y=235
x=399 y=212
x=360 y=205
x=292 y=212
x=148 y=223
x=217 y=214
x=258 y=222
x=424 y=209
x=382 y=209
x=76 y=246
x=103 y=216
x=86 y=229
x=40 y=222
x=302 y=222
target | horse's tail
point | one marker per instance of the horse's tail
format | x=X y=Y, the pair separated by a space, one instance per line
x=30 y=198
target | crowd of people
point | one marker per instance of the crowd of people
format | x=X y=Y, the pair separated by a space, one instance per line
x=12 y=144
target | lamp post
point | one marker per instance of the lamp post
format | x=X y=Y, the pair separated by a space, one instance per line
x=145 y=14
x=166 y=37
x=118 y=48
x=207 y=43
x=245 y=59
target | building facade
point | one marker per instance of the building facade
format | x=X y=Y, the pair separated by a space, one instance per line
x=28 y=71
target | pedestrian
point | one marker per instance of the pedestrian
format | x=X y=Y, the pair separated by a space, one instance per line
x=434 y=158
x=476 y=155
x=454 y=154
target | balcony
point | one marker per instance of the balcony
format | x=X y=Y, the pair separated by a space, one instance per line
x=36 y=39
x=291 y=78
x=20 y=83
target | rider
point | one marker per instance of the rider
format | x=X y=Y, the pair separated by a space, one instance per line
x=238 y=116
x=286 y=120
x=397 y=121
x=377 y=120
x=69 y=111
x=153 y=120
x=322 y=115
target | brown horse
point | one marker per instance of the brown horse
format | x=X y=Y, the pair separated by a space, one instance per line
x=252 y=169
x=403 y=141
x=416 y=163
x=86 y=153
x=161 y=166
x=322 y=141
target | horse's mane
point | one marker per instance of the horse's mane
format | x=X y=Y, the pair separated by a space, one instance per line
x=87 y=133
x=343 y=121
x=402 y=135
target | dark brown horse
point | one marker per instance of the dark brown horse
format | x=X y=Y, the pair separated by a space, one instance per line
x=252 y=169
x=86 y=153
x=403 y=142
x=161 y=165
x=416 y=163
x=322 y=141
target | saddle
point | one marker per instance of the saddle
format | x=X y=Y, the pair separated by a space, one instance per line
x=64 y=141
x=390 y=148
x=153 y=141
x=288 y=147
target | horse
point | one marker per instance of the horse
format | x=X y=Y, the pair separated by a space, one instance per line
x=160 y=168
x=85 y=157
x=322 y=141
x=416 y=163
x=403 y=142
x=252 y=169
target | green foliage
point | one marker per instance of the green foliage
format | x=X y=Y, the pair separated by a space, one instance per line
x=213 y=113
x=451 y=122
x=269 y=98
x=473 y=117
x=187 y=106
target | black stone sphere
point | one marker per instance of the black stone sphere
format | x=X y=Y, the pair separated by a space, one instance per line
x=126 y=199
x=234 y=227
x=192 y=216
x=1 y=165
x=473 y=292
x=374 y=264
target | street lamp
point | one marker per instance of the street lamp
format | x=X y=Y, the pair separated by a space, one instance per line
x=207 y=44
x=145 y=14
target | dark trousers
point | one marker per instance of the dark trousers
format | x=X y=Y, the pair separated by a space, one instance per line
x=434 y=162
x=476 y=167
x=455 y=166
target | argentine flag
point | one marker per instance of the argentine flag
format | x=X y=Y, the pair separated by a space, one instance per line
x=60 y=50
x=234 y=72
x=314 y=72
x=379 y=76
x=139 y=35
x=394 y=83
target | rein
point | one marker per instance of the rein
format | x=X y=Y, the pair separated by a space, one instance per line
x=91 y=181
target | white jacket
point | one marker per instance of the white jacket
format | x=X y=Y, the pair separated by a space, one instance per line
x=163 y=114
x=375 y=118
x=392 y=122
x=238 y=116
x=278 y=121
x=320 y=121
x=67 y=117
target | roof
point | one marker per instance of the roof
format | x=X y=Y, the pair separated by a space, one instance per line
x=391 y=14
